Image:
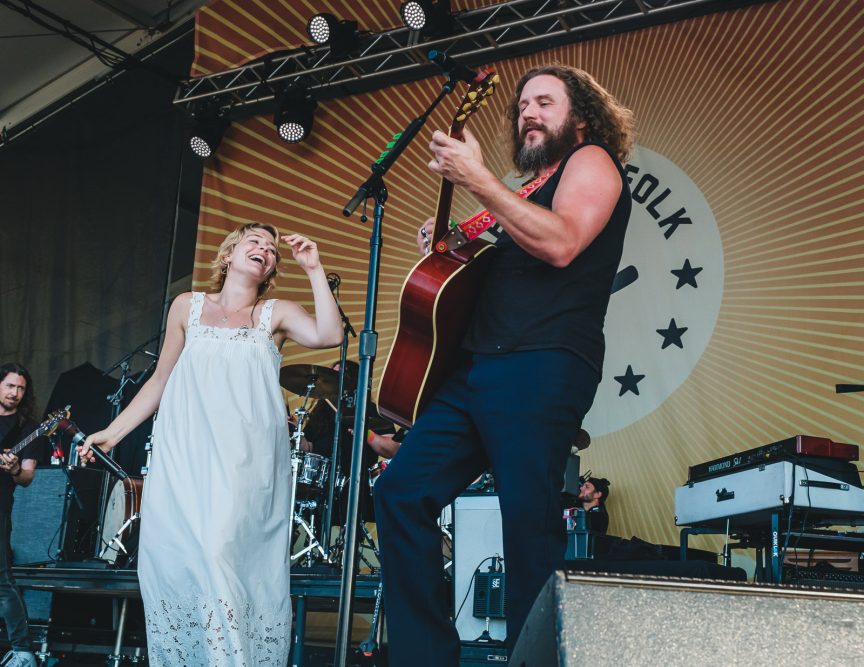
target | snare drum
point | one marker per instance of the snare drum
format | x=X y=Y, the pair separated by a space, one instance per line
x=312 y=469
x=124 y=503
x=375 y=471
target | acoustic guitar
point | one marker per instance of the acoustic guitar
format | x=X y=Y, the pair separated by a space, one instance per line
x=437 y=297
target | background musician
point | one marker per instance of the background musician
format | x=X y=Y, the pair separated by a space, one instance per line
x=17 y=420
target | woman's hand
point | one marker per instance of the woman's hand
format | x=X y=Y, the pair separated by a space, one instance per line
x=305 y=251
x=101 y=439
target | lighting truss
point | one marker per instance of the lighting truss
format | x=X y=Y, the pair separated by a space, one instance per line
x=503 y=30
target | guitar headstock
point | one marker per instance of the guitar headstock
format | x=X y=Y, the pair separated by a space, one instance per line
x=478 y=91
x=53 y=420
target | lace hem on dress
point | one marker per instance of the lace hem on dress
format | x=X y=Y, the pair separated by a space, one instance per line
x=205 y=631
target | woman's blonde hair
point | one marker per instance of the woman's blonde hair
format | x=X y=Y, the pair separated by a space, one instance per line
x=220 y=266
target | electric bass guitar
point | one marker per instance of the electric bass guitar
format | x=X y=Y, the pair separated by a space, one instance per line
x=52 y=421
x=438 y=296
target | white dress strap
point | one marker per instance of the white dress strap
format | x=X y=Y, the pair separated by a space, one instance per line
x=265 y=323
x=195 y=308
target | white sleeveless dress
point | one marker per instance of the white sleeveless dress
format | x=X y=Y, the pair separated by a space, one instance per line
x=215 y=521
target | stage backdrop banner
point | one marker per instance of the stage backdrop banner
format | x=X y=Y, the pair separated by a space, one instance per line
x=742 y=305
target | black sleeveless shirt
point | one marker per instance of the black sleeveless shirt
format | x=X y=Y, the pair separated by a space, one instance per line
x=527 y=304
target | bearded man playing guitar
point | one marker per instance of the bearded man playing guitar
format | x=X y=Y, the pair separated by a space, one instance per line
x=17 y=418
x=530 y=361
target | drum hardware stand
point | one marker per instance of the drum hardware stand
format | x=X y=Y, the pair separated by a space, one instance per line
x=368 y=543
x=118 y=535
x=296 y=517
x=312 y=540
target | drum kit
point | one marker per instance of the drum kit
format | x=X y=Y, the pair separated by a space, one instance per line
x=318 y=480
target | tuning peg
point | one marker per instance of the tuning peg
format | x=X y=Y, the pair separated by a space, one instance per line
x=461 y=117
x=467 y=106
x=496 y=79
x=483 y=102
x=472 y=95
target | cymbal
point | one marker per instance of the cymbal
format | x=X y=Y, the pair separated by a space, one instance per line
x=297 y=378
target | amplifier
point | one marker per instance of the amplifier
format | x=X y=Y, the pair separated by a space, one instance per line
x=477 y=542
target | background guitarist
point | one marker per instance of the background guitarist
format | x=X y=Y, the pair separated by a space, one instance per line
x=532 y=359
x=17 y=420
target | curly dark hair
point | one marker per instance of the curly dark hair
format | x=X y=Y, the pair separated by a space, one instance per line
x=27 y=406
x=607 y=121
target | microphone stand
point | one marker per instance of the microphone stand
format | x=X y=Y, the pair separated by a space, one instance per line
x=116 y=401
x=327 y=519
x=375 y=189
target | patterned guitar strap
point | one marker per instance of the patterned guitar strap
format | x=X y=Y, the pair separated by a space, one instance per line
x=470 y=229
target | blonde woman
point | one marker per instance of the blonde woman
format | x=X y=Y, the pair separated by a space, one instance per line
x=216 y=525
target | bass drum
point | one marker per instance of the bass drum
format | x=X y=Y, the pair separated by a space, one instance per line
x=119 y=534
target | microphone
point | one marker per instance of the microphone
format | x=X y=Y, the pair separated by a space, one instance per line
x=106 y=460
x=333 y=280
x=451 y=67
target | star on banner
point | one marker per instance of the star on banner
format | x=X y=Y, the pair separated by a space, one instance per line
x=672 y=335
x=686 y=274
x=629 y=381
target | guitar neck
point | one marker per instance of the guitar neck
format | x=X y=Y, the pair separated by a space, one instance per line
x=445 y=198
x=26 y=441
x=482 y=86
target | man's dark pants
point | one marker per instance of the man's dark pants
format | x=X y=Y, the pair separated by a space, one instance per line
x=517 y=414
x=12 y=608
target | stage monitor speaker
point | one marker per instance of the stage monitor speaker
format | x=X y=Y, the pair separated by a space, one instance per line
x=616 y=619
x=477 y=540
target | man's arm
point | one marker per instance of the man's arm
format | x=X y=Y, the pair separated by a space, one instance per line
x=28 y=472
x=584 y=199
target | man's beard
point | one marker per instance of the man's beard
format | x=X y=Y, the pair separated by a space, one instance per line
x=534 y=159
x=11 y=406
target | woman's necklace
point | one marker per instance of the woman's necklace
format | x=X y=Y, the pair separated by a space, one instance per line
x=226 y=316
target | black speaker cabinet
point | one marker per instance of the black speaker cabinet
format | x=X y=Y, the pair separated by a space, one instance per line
x=37 y=518
x=618 y=620
x=39 y=532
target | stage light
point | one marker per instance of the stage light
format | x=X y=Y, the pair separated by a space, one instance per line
x=206 y=132
x=413 y=15
x=428 y=16
x=295 y=111
x=341 y=35
x=321 y=26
